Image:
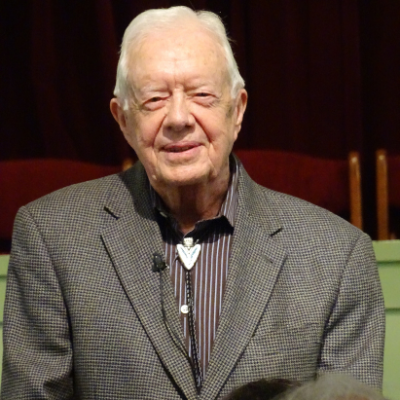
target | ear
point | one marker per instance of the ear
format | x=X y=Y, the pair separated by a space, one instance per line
x=122 y=119
x=240 y=108
x=118 y=113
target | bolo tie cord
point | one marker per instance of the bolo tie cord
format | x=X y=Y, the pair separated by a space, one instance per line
x=194 y=361
x=192 y=331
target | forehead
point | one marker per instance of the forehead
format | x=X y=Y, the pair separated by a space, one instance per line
x=187 y=50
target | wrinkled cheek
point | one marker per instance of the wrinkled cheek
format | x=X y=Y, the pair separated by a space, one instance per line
x=144 y=142
x=223 y=142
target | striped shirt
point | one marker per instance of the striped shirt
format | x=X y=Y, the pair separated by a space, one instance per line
x=210 y=270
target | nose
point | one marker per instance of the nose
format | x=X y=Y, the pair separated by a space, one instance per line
x=178 y=115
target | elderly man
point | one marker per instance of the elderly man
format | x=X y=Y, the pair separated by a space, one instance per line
x=182 y=278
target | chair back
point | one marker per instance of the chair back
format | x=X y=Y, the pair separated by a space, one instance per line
x=387 y=192
x=330 y=183
x=22 y=181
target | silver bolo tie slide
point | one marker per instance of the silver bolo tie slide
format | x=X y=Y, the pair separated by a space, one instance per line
x=188 y=253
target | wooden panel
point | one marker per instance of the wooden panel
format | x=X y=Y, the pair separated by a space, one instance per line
x=3 y=275
x=2 y=296
x=390 y=279
x=387 y=254
x=355 y=190
x=1 y=350
x=391 y=376
x=4 y=258
x=387 y=251
x=382 y=199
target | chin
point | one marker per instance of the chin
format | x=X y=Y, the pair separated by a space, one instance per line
x=186 y=177
x=185 y=181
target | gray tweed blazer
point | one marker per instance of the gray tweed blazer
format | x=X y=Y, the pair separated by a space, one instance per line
x=83 y=316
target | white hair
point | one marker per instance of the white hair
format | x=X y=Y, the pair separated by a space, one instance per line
x=334 y=387
x=154 y=20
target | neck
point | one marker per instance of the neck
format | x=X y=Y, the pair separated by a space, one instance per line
x=193 y=203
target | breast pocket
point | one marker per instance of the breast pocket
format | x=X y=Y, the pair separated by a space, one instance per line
x=289 y=352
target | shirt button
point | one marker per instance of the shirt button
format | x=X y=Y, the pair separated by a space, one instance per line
x=184 y=309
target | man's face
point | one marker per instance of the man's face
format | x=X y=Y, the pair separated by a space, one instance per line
x=182 y=121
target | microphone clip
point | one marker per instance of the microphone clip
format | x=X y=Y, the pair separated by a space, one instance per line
x=158 y=263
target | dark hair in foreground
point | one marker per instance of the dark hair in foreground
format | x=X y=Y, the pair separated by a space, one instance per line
x=262 y=389
x=326 y=387
x=334 y=387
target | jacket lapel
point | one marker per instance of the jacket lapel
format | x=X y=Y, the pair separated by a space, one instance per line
x=255 y=262
x=131 y=240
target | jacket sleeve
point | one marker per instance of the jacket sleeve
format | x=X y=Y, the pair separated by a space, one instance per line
x=355 y=331
x=37 y=360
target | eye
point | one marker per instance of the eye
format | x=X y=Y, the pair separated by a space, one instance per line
x=154 y=103
x=204 y=99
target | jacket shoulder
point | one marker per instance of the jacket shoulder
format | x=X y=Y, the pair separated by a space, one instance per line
x=85 y=195
x=300 y=221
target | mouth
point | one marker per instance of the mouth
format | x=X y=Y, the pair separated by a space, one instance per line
x=180 y=147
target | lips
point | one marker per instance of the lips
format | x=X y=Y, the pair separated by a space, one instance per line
x=180 y=147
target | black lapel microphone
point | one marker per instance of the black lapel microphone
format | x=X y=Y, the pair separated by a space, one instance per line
x=158 y=263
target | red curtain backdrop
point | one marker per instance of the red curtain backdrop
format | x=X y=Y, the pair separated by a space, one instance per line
x=322 y=76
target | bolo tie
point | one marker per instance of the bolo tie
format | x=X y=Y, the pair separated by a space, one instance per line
x=188 y=254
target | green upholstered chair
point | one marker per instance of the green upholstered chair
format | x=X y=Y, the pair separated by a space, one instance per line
x=388 y=256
